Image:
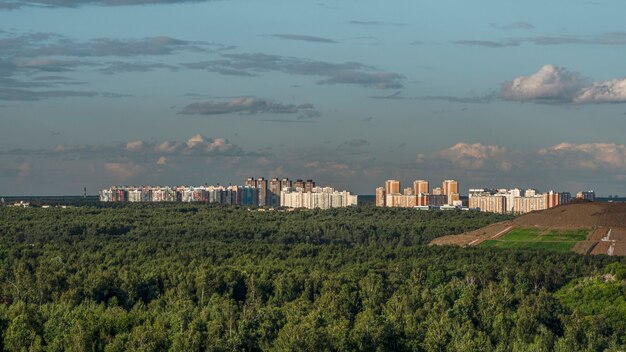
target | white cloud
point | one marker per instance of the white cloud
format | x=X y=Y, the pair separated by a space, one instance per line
x=135 y=146
x=612 y=91
x=167 y=147
x=123 y=171
x=549 y=83
x=200 y=145
x=587 y=156
x=565 y=156
x=477 y=156
x=197 y=145
x=556 y=84
x=142 y=152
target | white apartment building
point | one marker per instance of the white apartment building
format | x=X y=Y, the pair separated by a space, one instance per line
x=514 y=201
x=318 y=198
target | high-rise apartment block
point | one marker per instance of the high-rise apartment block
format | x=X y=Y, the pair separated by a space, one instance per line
x=392 y=187
x=261 y=184
x=450 y=186
x=318 y=197
x=419 y=187
x=555 y=199
x=298 y=184
x=285 y=182
x=586 y=195
x=380 y=197
x=309 y=185
x=451 y=189
x=249 y=196
x=417 y=195
x=487 y=201
x=274 y=193
x=255 y=192
x=514 y=200
x=250 y=182
x=398 y=200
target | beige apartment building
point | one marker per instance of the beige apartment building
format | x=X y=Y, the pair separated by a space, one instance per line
x=418 y=195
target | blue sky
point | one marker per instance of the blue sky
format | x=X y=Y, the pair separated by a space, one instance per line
x=350 y=93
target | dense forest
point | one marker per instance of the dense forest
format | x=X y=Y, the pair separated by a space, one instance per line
x=195 y=277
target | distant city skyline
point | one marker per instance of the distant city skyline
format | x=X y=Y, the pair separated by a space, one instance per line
x=349 y=93
x=254 y=192
x=493 y=200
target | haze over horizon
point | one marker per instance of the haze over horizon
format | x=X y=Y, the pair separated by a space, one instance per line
x=97 y=93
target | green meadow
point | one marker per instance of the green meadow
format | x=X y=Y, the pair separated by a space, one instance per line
x=537 y=238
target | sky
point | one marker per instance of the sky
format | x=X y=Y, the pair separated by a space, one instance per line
x=492 y=93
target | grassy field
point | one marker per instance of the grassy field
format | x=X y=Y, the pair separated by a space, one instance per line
x=537 y=238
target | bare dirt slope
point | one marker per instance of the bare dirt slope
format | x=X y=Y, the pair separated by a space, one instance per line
x=475 y=237
x=577 y=215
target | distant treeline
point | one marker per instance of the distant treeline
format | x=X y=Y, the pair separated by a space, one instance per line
x=155 y=277
x=38 y=201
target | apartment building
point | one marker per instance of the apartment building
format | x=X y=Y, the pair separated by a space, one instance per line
x=317 y=198
x=418 y=195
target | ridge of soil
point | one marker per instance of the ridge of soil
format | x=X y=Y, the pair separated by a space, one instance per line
x=577 y=215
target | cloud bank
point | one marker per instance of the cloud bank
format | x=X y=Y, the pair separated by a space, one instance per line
x=246 y=64
x=561 y=156
x=305 y=38
x=16 y=4
x=197 y=145
x=138 y=160
x=612 y=38
x=34 y=45
x=553 y=84
x=8 y=94
x=587 y=156
x=50 y=52
x=478 y=156
x=247 y=105
x=26 y=55
x=348 y=165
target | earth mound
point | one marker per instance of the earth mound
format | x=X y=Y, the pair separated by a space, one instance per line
x=577 y=215
x=605 y=223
